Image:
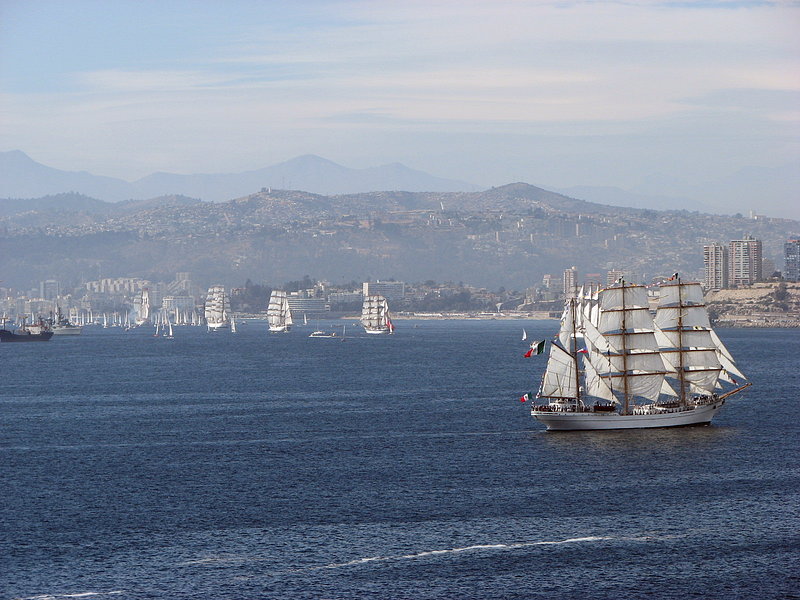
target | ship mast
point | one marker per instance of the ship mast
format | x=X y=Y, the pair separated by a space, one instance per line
x=681 y=374
x=625 y=392
x=574 y=350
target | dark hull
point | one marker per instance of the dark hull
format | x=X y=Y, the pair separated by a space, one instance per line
x=10 y=336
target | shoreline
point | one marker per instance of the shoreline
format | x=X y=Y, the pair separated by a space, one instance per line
x=732 y=322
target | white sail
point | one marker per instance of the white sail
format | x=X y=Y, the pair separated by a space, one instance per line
x=217 y=308
x=579 y=308
x=560 y=379
x=375 y=315
x=725 y=359
x=685 y=336
x=279 y=316
x=568 y=330
x=625 y=351
x=595 y=384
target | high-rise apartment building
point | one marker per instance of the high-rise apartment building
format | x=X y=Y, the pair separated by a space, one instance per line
x=791 y=257
x=744 y=261
x=391 y=290
x=49 y=289
x=570 y=280
x=715 y=267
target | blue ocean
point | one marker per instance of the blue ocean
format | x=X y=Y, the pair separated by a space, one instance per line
x=258 y=466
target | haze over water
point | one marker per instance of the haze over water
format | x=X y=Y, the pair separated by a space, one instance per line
x=258 y=466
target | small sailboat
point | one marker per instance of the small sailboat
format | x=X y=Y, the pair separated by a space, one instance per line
x=169 y=335
x=233 y=324
x=524 y=334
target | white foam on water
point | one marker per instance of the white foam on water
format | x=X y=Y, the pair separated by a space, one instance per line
x=474 y=548
x=212 y=560
x=78 y=595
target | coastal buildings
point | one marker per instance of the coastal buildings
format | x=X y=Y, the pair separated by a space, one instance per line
x=391 y=290
x=715 y=267
x=791 y=257
x=744 y=261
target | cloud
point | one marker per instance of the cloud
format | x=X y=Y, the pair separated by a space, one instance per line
x=366 y=79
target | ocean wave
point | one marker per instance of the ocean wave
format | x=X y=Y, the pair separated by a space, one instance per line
x=475 y=548
x=75 y=595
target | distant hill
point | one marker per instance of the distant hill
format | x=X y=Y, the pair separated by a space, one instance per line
x=72 y=202
x=615 y=196
x=507 y=235
x=22 y=177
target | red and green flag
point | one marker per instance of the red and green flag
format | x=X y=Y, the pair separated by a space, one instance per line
x=536 y=348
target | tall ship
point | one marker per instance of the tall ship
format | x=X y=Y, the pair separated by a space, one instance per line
x=40 y=331
x=630 y=371
x=63 y=326
x=141 y=306
x=279 y=316
x=217 y=308
x=375 y=315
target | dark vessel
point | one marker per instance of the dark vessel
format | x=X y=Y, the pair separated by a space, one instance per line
x=38 y=332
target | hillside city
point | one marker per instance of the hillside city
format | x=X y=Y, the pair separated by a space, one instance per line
x=515 y=248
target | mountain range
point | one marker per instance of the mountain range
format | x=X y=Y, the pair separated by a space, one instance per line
x=23 y=177
x=765 y=190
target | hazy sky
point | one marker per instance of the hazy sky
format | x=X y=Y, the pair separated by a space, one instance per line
x=492 y=92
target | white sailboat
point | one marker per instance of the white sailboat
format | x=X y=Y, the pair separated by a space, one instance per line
x=233 y=324
x=216 y=309
x=635 y=372
x=375 y=315
x=168 y=335
x=279 y=316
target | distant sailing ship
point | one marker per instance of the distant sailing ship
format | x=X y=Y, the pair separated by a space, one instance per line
x=142 y=307
x=216 y=311
x=375 y=315
x=636 y=372
x=279 y=316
